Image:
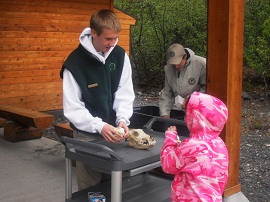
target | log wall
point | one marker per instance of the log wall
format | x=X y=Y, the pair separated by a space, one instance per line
x=35 y=39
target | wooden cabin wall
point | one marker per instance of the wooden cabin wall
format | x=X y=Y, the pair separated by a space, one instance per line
x=35 y=39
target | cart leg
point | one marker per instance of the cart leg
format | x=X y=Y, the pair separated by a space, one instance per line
x=116 y=186
x=68 y=180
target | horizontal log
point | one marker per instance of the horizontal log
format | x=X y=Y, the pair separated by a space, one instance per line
x=41 y=105
x=68 y=3
x=35 y=102
x=37 y=79
x=31 y=73
x=42 y=86
x=83 y=8
x=124 y=42
x=45 y=35
x=31 y=93
x=40 y=41
x=63 y=129
x=15 y=132
x=26 y=67
x=26 y=116
x=2 y=122
x=45 y=105
x=33 y=60
x=31 y=54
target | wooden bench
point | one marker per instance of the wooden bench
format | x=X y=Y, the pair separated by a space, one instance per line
x=2 y=122
x=23 y=124
x=63 y=129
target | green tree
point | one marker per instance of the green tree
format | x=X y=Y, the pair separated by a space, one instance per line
x=163 y=22
x=159 y=24
x=257 y=37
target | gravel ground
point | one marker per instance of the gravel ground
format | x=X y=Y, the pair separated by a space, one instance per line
x=255 y=149
x=254 y=174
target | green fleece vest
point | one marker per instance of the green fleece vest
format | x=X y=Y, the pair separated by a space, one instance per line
x=97 y=81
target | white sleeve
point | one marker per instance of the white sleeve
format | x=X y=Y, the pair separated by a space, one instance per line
x=124 y=96
x=74 y=107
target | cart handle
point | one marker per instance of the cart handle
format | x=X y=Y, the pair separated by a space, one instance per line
x=91 y=145
x=148 y=125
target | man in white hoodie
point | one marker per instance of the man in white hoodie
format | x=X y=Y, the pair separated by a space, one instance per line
x=97 y=88
x=185 y=73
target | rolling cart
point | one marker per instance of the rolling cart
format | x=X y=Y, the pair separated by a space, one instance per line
x=130 y=179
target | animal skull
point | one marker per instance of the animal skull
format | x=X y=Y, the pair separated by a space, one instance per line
x=138 y=139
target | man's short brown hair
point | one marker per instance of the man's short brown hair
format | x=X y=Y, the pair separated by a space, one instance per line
x=105 y=19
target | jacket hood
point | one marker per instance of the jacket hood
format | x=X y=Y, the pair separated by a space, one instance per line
x=191 y=54
x=206 y=116
x=86 y=41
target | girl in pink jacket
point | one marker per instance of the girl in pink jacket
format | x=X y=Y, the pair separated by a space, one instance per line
x=199 y=163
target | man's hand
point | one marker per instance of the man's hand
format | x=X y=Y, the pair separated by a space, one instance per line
x=126 y=129
x=110 y=134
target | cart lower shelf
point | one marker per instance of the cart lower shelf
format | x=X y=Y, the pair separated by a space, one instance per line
x=142 y=187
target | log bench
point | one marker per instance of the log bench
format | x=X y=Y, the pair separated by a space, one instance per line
x=63 y=129
x=23 y=124
x=2 y=122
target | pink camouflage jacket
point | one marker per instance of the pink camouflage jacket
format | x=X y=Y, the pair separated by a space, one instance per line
x=199 y=163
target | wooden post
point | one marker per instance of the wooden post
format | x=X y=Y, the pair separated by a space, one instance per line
x=224 y=73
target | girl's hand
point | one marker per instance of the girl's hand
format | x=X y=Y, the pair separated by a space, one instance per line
x=171 y=128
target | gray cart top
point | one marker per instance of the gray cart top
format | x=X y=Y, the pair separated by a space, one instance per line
x=116 y=157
